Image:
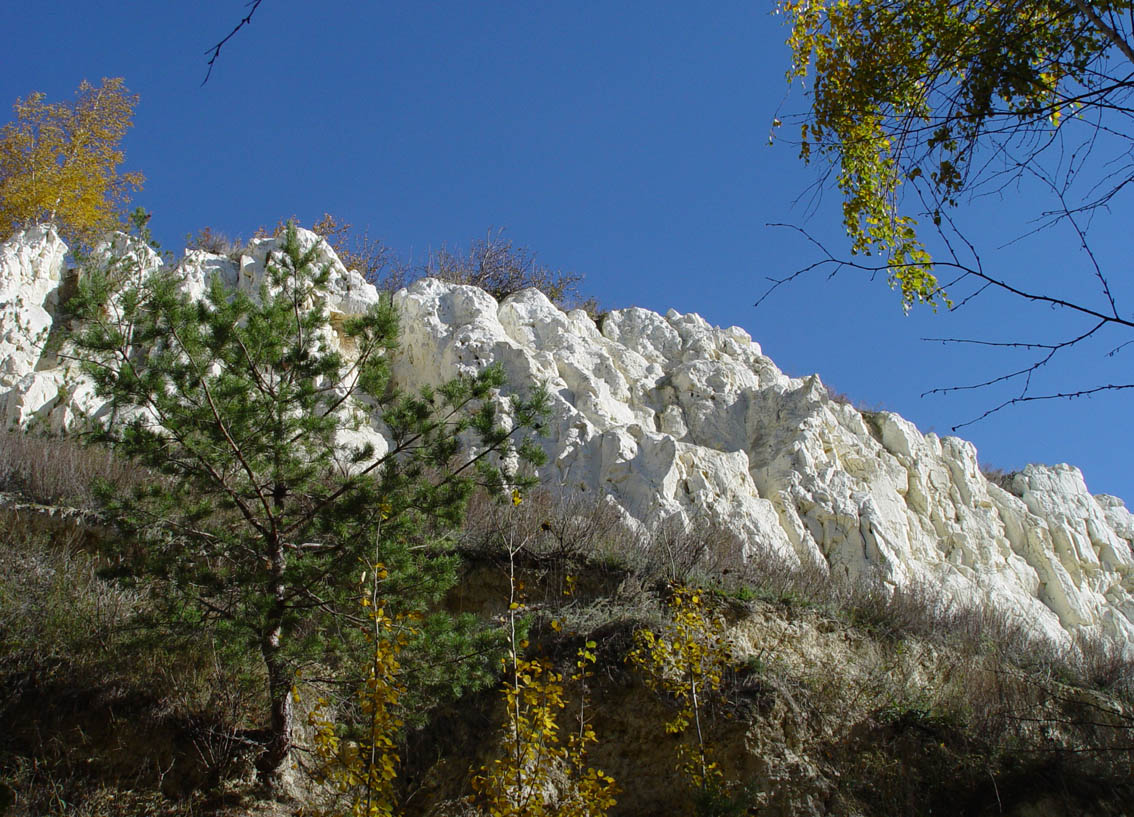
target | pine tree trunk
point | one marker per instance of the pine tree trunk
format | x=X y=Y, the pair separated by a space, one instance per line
x=279 y=736
x=279 y=680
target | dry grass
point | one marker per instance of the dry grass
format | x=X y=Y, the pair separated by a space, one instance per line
x=999 y=477
x=592 y=537
x=60 y=471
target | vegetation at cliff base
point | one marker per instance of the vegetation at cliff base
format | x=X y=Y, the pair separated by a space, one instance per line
x=828 y=693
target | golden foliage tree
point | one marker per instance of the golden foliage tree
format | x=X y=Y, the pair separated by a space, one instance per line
x=59 y=161
x=366 y=769
x=519 y=782
x=916 y=108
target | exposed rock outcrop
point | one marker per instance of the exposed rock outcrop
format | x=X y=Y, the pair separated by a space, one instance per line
x=667 y=416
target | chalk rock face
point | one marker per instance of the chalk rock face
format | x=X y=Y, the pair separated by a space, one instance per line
x=31 y=272
x=674 y=420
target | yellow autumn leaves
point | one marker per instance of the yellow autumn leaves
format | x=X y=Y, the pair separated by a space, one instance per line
x=522 y=782
x=686 y=659
x=905 y=94
x=542 y=767
x=538 y=772
x=59 y=162
x=366 y=770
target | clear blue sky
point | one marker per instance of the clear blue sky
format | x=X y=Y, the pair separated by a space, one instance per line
x=626 y=141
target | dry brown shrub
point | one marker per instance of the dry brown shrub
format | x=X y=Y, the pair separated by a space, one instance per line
x=499 y=267
x=60 y=470
x=214 y=241
x=549 y=526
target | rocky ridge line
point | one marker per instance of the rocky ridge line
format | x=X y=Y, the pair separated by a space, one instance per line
x=671 y=418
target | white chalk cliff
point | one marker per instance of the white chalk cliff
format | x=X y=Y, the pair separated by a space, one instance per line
x=668 y=416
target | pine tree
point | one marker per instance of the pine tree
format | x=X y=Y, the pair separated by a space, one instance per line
x=59 y=162
x=264 y=518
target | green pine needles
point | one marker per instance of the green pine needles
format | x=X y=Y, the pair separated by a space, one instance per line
x=264 y=511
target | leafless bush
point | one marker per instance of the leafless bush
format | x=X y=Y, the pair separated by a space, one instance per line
x=772 y=576
x=215 y=713
x=697 y=551
x=497 y=266
x=861 y=406
x=580 y=526
x=708 y=554
x=998 y=476
x=922 y=610
x=371 y=257
x=215 y=242
x=492 y=263
x=895 y=612
x=836 y=396
x=58 y=618
x=59 y=470
x=1104 y=663
x=547 y=525
x=984 y=630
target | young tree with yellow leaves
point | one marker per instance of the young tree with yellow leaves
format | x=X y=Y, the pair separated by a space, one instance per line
x=366 y=770
x=521 y=782
x=686 y=660
x=59 y=162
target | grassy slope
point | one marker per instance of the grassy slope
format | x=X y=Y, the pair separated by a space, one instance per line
x=840 y=700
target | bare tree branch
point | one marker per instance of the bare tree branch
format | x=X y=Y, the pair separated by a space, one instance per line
x=1110 y=317
x=1031 y=398
x=216 y=49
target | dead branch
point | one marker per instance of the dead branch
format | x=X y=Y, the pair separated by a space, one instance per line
x=216 y=49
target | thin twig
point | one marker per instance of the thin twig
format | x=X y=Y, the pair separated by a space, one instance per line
x=216 y=49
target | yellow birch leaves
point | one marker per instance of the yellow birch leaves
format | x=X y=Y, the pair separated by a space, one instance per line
x=367 y=769
x=909 y=93
x=59 y=162
x=687 y=660
x=538 y=773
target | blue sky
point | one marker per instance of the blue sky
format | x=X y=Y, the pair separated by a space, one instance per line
x=626 y=141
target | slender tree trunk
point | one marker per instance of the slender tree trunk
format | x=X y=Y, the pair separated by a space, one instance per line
x=279 y=680
x=1109 y=32
x=279 y=692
